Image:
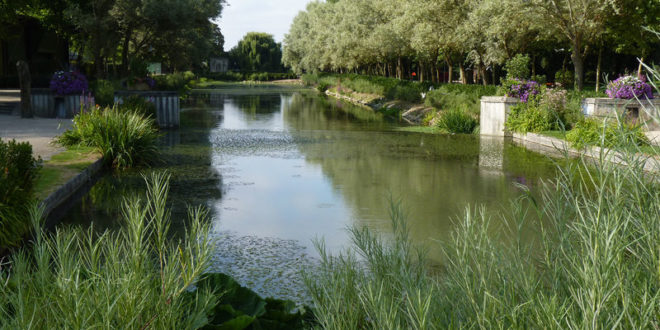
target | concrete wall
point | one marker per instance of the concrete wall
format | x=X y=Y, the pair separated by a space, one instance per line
x=494 y=111
x=167 y=104
x=639 y=111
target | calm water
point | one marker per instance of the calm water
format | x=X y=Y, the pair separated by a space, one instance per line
x=279 y=168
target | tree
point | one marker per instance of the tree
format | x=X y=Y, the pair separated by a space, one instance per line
x=257 y=52
x=580 y=22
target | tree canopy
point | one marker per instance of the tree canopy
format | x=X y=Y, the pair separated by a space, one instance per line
x=257 y=51
x=397 y=37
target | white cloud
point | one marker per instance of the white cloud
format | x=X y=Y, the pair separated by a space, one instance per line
x=270 y=16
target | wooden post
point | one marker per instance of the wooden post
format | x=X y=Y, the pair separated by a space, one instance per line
x=25 y=83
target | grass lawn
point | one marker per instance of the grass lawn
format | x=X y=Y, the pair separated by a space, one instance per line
x=62 y=167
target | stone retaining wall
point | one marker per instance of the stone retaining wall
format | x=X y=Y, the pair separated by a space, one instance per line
x=64 y=193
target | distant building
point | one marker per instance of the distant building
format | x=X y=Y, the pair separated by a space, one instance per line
x=219 y=64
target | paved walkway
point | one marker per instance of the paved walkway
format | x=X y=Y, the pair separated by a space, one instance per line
x=38 y=131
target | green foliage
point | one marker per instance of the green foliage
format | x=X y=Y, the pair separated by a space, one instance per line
x=457 y=121
x=405 y=93
x=181 y=82
x=139 y=105
x=525 y=117
x=124 y=138
x=104 y=92
x=136 y=277
x=565 y=78
x=595 y=263
x=611 y=134
x=257 y=52
x=18 y=172
x=241 y=308
x=459 y=97
x=517 y=67
x=251 y=76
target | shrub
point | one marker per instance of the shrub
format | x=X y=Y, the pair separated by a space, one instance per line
x=459 y=96
x=563 y=114
x=522 y=89
x=67 y=82
x=180 y=81
x=629 y=87
x=124 y=138
x=565 y=78
x=405 y=93
x=457 y=121
x=104 y=92
x=525 y=118
x=18 y=171
x=611 y=134
x=140 y=105
x=517 y=67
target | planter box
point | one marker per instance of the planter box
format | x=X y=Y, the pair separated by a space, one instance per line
x=494 y=112
x=47 y=105
x=167 y=104
x=638 y=111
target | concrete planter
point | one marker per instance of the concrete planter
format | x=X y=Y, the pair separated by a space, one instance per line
x=167 y=104
x=634 y=110
x=48 y=105
x=494 y=112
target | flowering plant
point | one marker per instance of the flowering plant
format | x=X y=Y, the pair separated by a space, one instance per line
x=67 y=82
x=629 y=87
x=521 y=89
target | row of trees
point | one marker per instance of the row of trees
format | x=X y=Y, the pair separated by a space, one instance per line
x=179 y=33
x=380 y=36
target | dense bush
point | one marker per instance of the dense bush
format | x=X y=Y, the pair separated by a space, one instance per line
x=140 y=105
x=180 y=81
x=251 y=76
x=124 y=138
x=458 y=97
x=457 y=121
x=517 y=67
x=104 y=92
x=525 y=118
x=390 y=88
x=565 y=78
x=405 y=93
x=18 y=171
x=612 y=134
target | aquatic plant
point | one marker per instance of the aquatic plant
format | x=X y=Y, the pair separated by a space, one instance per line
x=457 y=121
x=123 y=138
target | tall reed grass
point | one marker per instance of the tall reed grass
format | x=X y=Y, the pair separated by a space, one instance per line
x=124 y=138
x=135 y=278
x=594 y=263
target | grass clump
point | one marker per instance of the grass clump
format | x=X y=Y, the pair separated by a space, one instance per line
x=18 y=172
x=459 y=96
x=594 y=262
x=457 y=121
x=124 y=138
x=135 y=278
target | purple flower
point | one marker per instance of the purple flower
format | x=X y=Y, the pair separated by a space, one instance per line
x=629 y=87
x=67 y=83
x=523 y=89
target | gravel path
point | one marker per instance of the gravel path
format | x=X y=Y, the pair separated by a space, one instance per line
x=38 y=131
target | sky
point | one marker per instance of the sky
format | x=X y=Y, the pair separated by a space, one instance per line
x=270 y=16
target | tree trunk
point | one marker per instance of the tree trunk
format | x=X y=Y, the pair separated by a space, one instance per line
x=124 y=51
x=639 y=68
x=450 y=68
x=463 y=76
x=421 y=72
x=399 y=68
x=533 y=65
x=25 y=82
x=598 y=67
x=484 y=79
x=578 y=65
